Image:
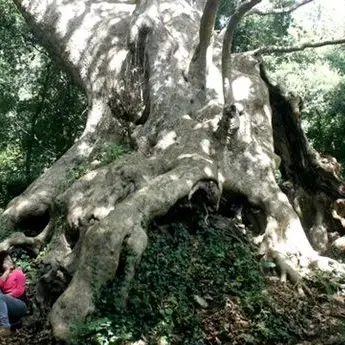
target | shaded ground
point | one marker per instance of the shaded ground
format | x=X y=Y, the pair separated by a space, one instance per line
x=28 y=335
x=230 y=323
x=313 y=319
x=202 y=283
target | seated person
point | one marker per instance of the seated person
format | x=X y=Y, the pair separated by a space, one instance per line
x=12 y=286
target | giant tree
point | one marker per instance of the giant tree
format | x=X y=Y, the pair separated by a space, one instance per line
x=159 y=78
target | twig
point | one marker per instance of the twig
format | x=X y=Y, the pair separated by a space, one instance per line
x=283 y=10
x=291 y=49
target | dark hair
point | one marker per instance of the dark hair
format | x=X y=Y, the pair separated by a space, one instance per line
x=3 y=255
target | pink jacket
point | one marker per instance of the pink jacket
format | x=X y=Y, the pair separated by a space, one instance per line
x=14 y=284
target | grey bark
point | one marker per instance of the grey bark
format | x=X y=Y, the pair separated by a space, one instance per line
x=128 y=56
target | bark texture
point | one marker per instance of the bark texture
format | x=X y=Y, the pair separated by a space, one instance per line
x=146 y=86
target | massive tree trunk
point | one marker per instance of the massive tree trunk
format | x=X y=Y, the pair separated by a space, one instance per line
x=194 y=114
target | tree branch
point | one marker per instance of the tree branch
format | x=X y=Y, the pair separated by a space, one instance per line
x=207 y=23
x=227 y=44
x=203 y=51
x=283 y=10
x=291 y=49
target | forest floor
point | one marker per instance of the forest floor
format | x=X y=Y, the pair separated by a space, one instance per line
x=201 y=283
x=323 y=327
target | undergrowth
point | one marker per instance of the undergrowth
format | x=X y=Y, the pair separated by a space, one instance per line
x=196 y=284
x=111 y=151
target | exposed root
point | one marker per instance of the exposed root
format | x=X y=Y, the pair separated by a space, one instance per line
x=86 y=203
x=40 y=195
x=126 y=221
x=136 y=245
x=97 y=193
x=338 y=211
x=296 y=264
x=339 y=243
x=35 y=244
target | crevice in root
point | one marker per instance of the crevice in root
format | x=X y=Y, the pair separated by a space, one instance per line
x=33 y=225
x=54 y=263
x=202 y=200
x=35 y=232
x=206 y=191
x=50 y=286
x=34 y=244
x=72 y=236
x=236 y=205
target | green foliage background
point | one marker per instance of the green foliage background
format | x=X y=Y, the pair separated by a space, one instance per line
x=319 y=77
x=40 y=108
x=273 y=29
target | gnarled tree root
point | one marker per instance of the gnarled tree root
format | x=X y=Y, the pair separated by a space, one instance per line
x=126 y=223
x=34 y=244
x=39 y=197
